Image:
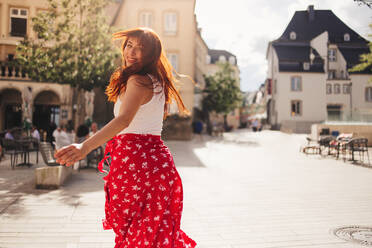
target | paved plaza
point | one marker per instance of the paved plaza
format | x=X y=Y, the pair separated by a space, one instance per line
x=244 y=190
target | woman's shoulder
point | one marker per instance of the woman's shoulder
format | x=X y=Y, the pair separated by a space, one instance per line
x=136 y=78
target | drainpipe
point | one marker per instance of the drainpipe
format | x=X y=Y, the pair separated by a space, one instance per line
x=351 y=101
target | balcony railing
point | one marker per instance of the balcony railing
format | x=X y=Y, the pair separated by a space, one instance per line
x=12 y=70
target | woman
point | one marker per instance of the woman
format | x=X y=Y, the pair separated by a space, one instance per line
x=143 y=188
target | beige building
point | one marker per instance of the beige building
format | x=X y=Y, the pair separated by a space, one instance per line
x=221 y=56
x=308 y=80
x=20 y=98
x=175 y=22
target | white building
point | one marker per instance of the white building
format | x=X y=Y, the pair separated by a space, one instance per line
x=308 y=80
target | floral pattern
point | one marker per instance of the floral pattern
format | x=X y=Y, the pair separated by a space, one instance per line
x=144 y=195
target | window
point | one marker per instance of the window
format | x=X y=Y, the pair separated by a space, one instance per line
x=292 y=35
x=332 y=55
x=329 y=89
x=369 y=94
x=306 y=66
x=222 y=58
x=344 y=74
x=296 y=107
x=232 y=60
x=170 y=23
x=346 y=88
x=208 y=59
x=331 y=74
x=336 y=88
x=334 y=112
x=146 y=19
x=18 y=22
x=346 y=37
x=173 y=59
x=296 y=84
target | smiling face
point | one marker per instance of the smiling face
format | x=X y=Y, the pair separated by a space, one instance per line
x=132 y=52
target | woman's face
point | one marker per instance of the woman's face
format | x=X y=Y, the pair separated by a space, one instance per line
x=132 y=52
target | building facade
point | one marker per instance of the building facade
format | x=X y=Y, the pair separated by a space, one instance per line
x=20 y=98
x=308 y=80
x=41 y=103
x=175 y=22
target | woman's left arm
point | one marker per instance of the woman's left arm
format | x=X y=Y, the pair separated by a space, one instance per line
x=131 y=101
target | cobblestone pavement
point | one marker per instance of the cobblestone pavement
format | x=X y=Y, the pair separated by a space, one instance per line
x=240 y=191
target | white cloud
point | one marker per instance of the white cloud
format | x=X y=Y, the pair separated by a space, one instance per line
x=244 y=27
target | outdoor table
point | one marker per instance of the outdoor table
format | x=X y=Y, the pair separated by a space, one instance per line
x=24 y=144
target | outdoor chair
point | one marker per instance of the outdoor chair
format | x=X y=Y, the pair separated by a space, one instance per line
x=312 y=147
x=12 y=147
x=325 y=143
x=47 y=152
x=360 y=146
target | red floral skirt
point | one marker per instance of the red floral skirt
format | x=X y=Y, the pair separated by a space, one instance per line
x=144 y=194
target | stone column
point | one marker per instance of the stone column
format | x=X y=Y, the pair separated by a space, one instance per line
x=27 y=106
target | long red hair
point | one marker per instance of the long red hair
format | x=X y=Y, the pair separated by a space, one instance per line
x=154 y=62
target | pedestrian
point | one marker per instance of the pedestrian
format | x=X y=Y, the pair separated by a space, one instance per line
x=82 y=133
x=62 y=138
x=93 y=128
x=198 y=128
x=255 y=125
x=9 y=135
x=144 y=194
x=35 y=133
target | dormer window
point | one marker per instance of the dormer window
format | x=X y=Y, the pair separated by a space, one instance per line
x=306 y=66
x=292 y=35
x=232 y=60
x=222 y=59
x=346 y=37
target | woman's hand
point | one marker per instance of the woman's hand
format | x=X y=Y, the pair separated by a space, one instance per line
x=69 y=155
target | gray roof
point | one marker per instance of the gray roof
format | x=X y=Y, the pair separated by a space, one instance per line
x=215 y=55
x=309 y=24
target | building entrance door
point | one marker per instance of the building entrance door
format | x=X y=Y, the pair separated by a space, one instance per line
x=334 y=112
x=10 y=109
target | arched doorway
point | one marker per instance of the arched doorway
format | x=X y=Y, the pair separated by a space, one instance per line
x=46 y=110
x=10 y=108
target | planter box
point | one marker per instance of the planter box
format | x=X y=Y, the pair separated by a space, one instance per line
x=177 y=128
x=51 y=177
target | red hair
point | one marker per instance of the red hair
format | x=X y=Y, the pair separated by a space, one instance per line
x=154 y=62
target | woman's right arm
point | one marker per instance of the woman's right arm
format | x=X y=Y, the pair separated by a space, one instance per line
x=131 y=101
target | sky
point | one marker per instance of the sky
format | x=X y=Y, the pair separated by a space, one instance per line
x=245 y=27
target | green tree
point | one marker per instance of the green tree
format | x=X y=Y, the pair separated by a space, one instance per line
x=222 y=93
x=366 y=2
x=365 y=59
x=73 y=45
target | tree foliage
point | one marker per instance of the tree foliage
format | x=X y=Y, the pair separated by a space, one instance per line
x=222 y=92
x=72 y=46
x=365 y=59
x=365 y=2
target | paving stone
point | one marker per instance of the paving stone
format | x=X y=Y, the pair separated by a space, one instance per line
x=240 y=191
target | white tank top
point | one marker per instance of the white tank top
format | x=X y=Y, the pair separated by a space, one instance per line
x=149 y=117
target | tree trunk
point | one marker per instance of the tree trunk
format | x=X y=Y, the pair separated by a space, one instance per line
x=207 y=120
x=225 y=124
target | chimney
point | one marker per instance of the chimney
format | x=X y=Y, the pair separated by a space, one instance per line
x=311 y=12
